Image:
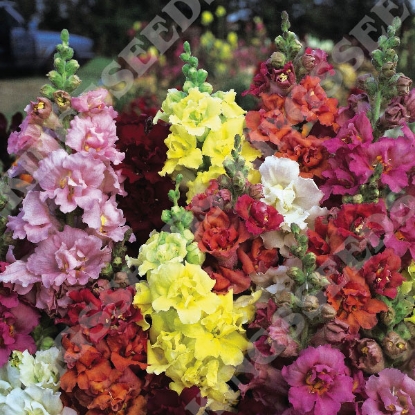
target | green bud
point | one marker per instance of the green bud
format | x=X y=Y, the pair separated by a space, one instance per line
x=187 y=85
x=194 y=254
x=72 y=66
x=59 y=65
x=72 y=83
x=107 y=271
x=206 y=87
x=239 y=181
x=166 y=216
x=186 y=218
x=296 y=46
x=186 y=47
x=193 y=61
x=295 y=229
x=186 y=69
x=56 y=79
x=46 y=343
x=65 y=36
x=279 y=43
x=66 y=52
x=201 y=76
x=117 y=262
x=185 y=57
x=377 y=57
x=229 y=166
x=192 y=74
x=309 y=261
x=297 y=275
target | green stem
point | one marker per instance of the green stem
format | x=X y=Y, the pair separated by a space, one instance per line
x=376 y=108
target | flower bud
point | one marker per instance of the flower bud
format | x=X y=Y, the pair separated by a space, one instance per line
x=310 y=303
x=309 y=261
x=194 y=254
x=308 y=61
x=121 y=279
x=46 y=343
x=327 y=312
x=388 y=69
x=239 y=181
x=403 y=85
x=388 y=317
x=256 y=191
x=277 y=60
x=229 y=166
x=62 y=100
x=297 y=275
x=395 y=347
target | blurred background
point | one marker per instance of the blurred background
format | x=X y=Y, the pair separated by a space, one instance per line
x=230 y=38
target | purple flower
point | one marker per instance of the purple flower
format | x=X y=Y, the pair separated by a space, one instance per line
x=319 y=381
x=391 y=392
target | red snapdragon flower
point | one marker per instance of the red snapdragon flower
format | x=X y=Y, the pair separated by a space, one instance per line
x=351 y=298
x=381 y=273
x=220 y=235
x=259 y=217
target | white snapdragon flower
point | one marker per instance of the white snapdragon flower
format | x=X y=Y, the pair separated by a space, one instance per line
x=41 y=370
x=29 y=384
x=296 y=198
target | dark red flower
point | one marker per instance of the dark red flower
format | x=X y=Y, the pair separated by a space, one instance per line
x=145 y=155
x=259 y=216
x=381 y=273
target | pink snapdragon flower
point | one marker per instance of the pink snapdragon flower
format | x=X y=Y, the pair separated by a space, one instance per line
x=95 y=134
x=71 y=180
x=70 y=256
x=35 y=221
x=319 y=381
x=93 y=102
x=390 y=392
x=106 y=219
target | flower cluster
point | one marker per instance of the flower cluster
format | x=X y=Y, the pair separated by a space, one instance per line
x=275 y=276
x=202 y=128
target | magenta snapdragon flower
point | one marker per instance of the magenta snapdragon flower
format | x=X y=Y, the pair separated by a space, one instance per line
x=17 y=320
x=319 y=381
x=390 y=392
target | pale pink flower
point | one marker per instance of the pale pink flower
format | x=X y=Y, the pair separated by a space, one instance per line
x=70 y=256
x=93 y=102
x=31 y=145
x=106 y=219
x=22 y=279
x=71 y=180
x=35 y=221
x=95 y=134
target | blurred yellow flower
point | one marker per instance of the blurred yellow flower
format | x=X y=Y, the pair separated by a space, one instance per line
x=206 y=18
x=220 y=11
